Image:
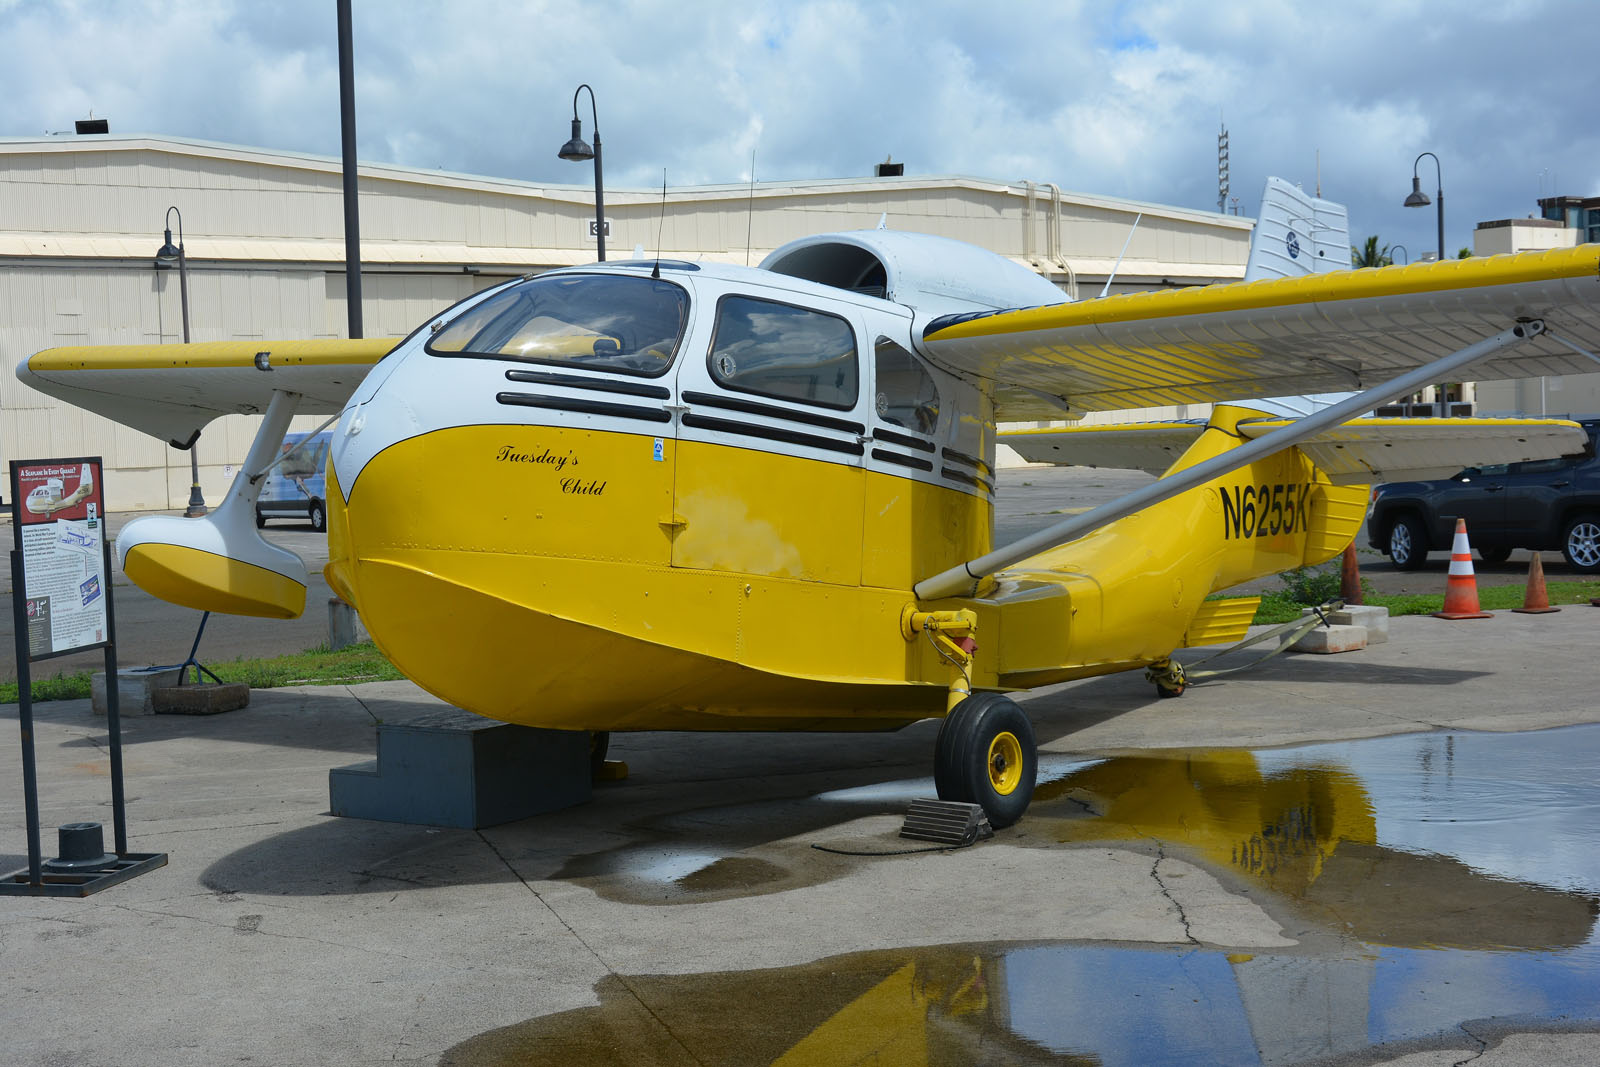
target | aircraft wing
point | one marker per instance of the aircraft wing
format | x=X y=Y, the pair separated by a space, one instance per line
x=1343 y=330
x=135 y=384
x=1355 y=453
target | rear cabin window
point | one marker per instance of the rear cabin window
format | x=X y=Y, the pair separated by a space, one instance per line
x=906 y=395
x=786 y=352
x=590 y=321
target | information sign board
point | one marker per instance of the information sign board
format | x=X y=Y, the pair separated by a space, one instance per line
x=58 y=509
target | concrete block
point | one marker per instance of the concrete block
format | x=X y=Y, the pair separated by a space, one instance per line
x=134 y=686
x=1334 y=638
x=457 y=769
x=212 y=698
x=1373 y=617
x=344 y=625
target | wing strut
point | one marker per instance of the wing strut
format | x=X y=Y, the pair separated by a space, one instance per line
x=962 y=580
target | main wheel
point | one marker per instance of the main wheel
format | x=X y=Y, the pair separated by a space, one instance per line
x=318 y=515
x=1497 y=554
x=1408 y=543
x=986 y=755
x=1580 y=543
x=599 y=745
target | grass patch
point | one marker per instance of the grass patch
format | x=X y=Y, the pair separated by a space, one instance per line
x=317 y=666
x=1278 y=607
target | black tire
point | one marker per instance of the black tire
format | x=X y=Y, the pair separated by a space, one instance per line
x=1408 y=543
x=986 y=755
x=1580 y=543
x=1494 y=555
x=599 y=744
x=318 y=516
x=261 y=520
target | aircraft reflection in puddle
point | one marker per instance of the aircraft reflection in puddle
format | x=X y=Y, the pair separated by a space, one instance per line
x=1305 y=823
x=1463 y=867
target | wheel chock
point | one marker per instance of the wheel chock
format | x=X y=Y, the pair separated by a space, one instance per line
x=952 y=823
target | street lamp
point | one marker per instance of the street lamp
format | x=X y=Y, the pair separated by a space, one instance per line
x=578 y=151
x=1399 y=248
x=167 y=257
x=1418 y=198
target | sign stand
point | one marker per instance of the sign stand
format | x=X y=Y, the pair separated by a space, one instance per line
x=61 y=603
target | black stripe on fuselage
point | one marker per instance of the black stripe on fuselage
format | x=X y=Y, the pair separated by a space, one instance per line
x=577 y=381
x=771 y=433
x=751 y=407
x=584 y=406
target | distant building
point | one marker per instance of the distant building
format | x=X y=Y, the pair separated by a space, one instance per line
x=1578 y=213
x=1563 y=222
x=264 y=239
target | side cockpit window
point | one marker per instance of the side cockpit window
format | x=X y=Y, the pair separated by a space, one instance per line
x=786 y=352
x=906 y=395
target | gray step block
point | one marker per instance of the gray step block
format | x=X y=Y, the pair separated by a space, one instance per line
x=134 y=688
x=453 y=768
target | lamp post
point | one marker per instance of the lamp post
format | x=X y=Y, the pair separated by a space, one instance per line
x=578 y=151
x=168 y=256
x=1418 y=198
x=1399 y=248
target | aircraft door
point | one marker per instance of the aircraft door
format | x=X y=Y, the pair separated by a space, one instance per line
x=928 y=486
x=770 y=440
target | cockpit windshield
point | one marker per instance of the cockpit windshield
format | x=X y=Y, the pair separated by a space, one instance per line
x=594 y=321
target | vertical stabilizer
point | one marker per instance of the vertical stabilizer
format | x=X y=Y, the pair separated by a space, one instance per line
x=1297 y=234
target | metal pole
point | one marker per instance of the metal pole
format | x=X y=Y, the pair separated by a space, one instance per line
x=599 y=188
x=1440 y=202
x=352 y=215
x=197 y=500
x=960 y=580
x=30 y=775
x=119 y=804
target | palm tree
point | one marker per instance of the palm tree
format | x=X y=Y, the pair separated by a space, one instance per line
x=1370 y=255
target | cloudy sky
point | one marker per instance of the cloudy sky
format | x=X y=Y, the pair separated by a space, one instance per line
x=1122 y=99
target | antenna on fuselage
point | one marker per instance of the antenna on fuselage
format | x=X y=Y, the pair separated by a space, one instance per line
x=655 y=272
x=1115 y=266
x=750 y=207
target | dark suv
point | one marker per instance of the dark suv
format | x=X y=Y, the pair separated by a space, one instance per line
x=1540 y=504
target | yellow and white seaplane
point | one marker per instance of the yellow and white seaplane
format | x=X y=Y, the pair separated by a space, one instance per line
x=691 y=496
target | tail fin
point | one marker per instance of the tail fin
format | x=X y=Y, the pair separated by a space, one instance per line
x=1297 y=234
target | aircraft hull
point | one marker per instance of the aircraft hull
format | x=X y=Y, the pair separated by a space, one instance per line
x=496 y=607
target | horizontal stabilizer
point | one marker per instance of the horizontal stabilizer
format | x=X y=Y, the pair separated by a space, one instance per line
x=1358 y=452
x=172 y=391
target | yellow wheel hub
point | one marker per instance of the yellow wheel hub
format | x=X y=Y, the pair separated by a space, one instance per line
x=1005 y=763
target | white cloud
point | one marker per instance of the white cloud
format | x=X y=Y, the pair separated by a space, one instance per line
x=1116 y=99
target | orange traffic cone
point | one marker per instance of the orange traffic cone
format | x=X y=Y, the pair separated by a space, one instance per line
x=1535 y=601
x=1461 y=588
x=1350 y=576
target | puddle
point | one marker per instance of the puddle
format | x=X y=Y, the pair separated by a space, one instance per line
x=1438 y=883
x=1472 y=841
